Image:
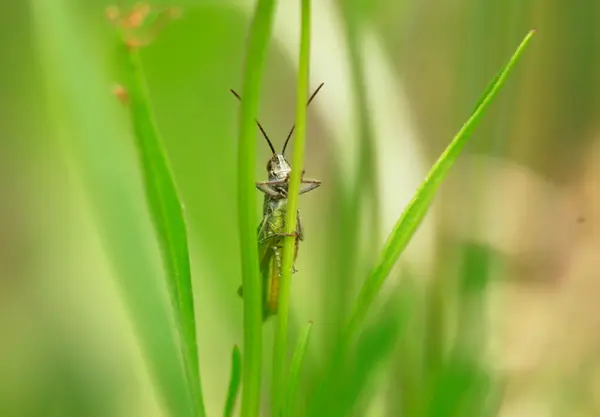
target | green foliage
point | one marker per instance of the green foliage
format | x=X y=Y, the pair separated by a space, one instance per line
x=435 y=380
x=78 y=91
x=260 y=32
x=234 y=381
x=280 y=346
x=417 y=209
x=167 y=213
x=293 y=381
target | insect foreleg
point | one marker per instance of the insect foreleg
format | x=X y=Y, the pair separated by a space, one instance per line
x=309 y=185
x=278 y=188
x=266 y=187
x=281 y=190
x=273 y=182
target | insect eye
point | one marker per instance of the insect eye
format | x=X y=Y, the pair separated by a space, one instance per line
x=269 y=166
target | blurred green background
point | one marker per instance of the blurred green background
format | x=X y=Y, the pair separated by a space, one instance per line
x=494 y=304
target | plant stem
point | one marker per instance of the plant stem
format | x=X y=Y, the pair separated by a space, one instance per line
x=279 y=350
x=295 y=368
x=260 y=32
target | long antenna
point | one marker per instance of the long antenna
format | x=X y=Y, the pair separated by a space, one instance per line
x=294 y=125
x=258 y=123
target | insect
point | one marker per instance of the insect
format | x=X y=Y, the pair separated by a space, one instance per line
x=271 y=229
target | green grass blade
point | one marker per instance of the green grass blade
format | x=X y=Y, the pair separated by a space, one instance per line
x=373 y=349
x=365 y=192
x=463 y=388
x=359 y=193
x=167 y=214
x=349 y=376
x=408 y=376
x=85 y=117
x=280 y=341
x=260 y=32
x=375 y=346
x=295 y=367
x=415 y=212
x=234 y=381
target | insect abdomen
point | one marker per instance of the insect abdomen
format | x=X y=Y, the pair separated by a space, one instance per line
x=271 y=290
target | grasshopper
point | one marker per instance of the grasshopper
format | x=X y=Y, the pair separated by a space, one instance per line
x=271 y=229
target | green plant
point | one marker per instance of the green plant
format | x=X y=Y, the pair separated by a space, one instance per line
x=368 y=343
x=171 y=227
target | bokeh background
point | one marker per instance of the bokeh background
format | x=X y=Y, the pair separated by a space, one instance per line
x=506 y=265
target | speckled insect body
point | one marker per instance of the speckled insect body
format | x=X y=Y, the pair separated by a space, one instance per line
x=271 y=229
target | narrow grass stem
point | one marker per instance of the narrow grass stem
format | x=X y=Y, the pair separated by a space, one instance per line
x=280 y=341
x=260 y=32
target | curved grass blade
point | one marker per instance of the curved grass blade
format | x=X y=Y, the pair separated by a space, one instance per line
x=295 y=367
x=412 y=216
x=167 y=215
x=463 y=388
x=374 y=348
x=234 y=381
x=349 y=377
x=260 y=32
x=77 y=81
x=280 y=340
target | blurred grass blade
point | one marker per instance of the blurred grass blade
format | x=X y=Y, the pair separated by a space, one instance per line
x=374 y=348
x=411 y=218
x=167 y=214
x=463 y=388
x=289 y=245
x=295 y=368
x=350 y=380
x=85 y=117
x=360 y=197
x=234 y=381
x=260 y=32
x=408 y=383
